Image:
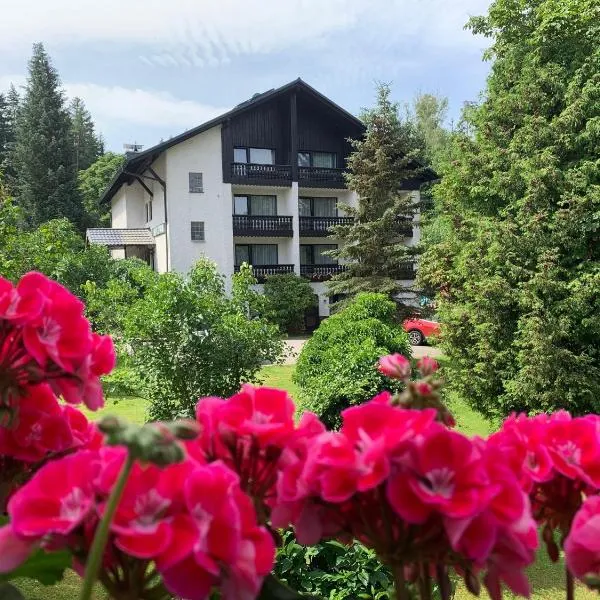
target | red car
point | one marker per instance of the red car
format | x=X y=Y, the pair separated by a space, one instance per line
x=420 y=329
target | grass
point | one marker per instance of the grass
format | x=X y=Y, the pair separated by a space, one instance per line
x=547 y=579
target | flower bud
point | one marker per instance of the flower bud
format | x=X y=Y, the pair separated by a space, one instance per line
x=185 y=429
x=395 y=366
x=427 y=366
x=423 y=388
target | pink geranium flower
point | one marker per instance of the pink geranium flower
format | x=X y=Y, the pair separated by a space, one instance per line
x=40 y=429
x=57 y=499
x=582 y=546
x=444 y=474
x=267 y=414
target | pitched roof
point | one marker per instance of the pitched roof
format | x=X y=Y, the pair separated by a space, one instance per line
x=106 y=236
x=138 y=162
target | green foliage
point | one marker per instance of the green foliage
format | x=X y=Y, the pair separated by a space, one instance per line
x=92 y=182
x=108 y=302
x=189 y=340
x=41 y=249
x=336 y=367
x=289 y=296
x=46 y=186
x=333 y=571
x=380 y=163
x=516 y=244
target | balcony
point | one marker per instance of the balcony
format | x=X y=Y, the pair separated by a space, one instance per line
x=262 y=226
x=255 y=174
x=261 y=272
x=321 y=177
x=319 y=226
x=320 y=272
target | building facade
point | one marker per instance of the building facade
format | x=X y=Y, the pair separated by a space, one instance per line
x=261 y=184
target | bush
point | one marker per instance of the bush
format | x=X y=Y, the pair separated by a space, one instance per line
x=336 y=367
x=189 y=339
x=333 y=571
x=288 y=298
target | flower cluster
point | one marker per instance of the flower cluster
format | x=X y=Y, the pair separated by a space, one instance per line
x=423 y=496
x=248 y=432
x=557 y=460
x=45 y=338
x=46 y=350
x=189 y=519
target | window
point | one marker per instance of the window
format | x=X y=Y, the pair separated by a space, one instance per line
x=314 y=254
x=255 y=205
x=317 y=207
x=262 y=156
x=240 y=155
x=197 y=231
x=304 y=159
x=257 y=156
x=256 y=254
x=326 y=160
x=148 y=207
x=196 y=186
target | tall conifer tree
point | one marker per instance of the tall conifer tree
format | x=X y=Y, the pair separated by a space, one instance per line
x=46 y=186
x=379 y=167
x=88 y=146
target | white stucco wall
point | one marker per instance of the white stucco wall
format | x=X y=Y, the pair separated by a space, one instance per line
x=118 y=210
x=202 y=154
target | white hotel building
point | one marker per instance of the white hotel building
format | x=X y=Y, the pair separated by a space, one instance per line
x=260 y=184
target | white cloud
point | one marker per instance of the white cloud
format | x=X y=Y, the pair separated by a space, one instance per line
x=210 y=32
x=111 y=105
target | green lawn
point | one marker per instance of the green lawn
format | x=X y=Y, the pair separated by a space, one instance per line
x=546 y=578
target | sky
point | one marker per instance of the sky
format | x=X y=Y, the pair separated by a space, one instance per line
x=150 y=69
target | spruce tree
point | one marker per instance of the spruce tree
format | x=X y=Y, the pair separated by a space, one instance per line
x=518 y=262
x=88 y=146
x=374 y=245
x=9 y=110
x=44 y=158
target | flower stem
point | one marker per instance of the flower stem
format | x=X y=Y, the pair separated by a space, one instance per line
x=94 y=560
x=425 y=583
x=570 y=584
x=400 y=583
x=444 y=581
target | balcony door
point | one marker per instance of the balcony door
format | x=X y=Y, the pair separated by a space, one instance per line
x=317 y=207
x=256 y=254
x=314 y=254
x=255 y=205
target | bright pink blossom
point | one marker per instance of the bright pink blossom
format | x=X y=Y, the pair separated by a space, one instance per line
x=443 y=473
x=582 y=546
x=41 y=428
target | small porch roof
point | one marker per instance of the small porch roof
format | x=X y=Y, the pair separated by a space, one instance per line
x=107 y=236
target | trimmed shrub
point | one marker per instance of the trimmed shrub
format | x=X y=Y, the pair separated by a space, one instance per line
x=336 y=367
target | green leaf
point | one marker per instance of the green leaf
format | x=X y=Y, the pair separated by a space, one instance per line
x=47 y=568
x=9 y=592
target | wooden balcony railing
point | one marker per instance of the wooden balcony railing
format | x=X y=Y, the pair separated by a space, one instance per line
x=320 y=272
x=319 y=226
x=321 y=177
x=261 y=272
x=261 y=174
x=262 y=226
